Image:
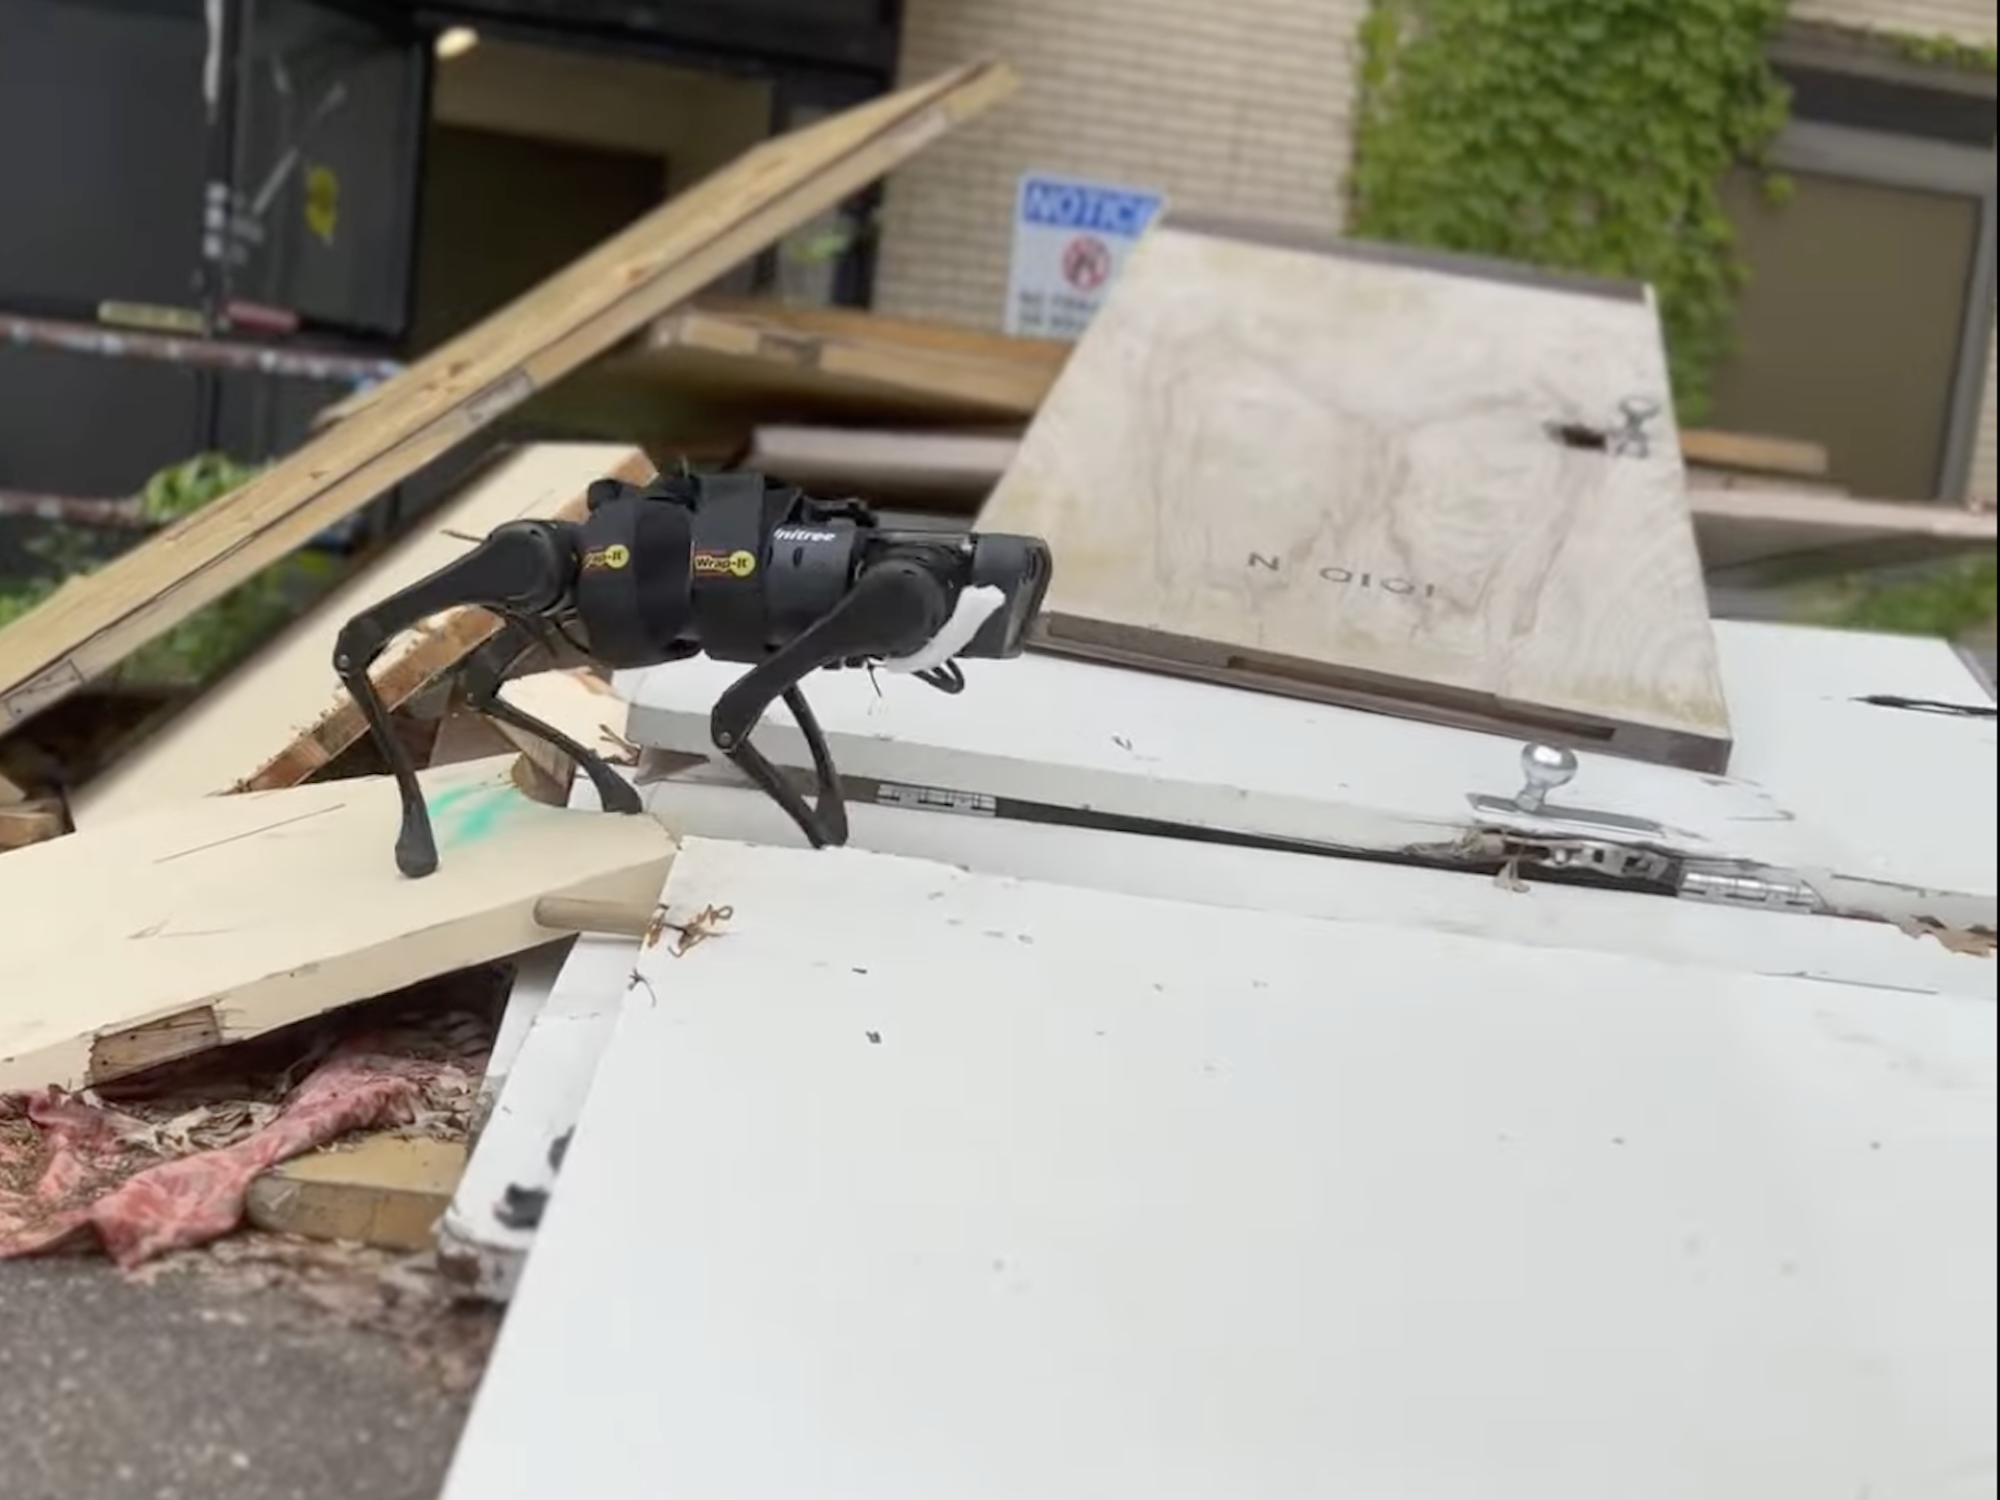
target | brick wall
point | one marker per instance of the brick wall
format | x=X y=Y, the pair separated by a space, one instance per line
x=1238 y=109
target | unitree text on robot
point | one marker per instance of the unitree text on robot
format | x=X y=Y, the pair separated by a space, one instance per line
x=731 y=565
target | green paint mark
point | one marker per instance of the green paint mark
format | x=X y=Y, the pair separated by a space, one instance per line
x=471 y=814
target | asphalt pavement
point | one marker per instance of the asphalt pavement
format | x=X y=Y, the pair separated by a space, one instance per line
x=180 y=1389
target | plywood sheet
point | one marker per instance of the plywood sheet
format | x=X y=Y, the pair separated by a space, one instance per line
x=1335 y=471
x=282 y=714
x=1776 y=525
x=226 y=917
x=637 y=275
x=1032 y=1191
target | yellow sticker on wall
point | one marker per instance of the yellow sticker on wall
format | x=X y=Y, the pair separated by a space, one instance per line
x=322 y=203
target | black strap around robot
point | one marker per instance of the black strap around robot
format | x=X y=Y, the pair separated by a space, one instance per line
x=735 y=517
x=677 y=562
x=632 y=577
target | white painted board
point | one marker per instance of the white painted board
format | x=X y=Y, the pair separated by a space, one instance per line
x=1909 y=796
x=1071 y=236
x=522 y=1145
x=558 y=1018
x=1083 y=736
x=713 y=803
x=918 y=1183
x=565 y=1021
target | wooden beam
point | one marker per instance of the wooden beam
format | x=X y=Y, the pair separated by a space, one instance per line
x=226 y=917
x=30 y=822
x=282 y=715
x=800 y=364
x=947 y=472
x=1743 y=530
x=471 y=382
x=1758 y=455
x=382 y=1190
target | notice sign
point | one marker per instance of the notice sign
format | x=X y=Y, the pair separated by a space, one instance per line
x=1070 y=238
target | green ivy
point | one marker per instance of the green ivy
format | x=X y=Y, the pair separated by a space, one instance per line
x=1580 y=135
x=1951 y=601
x=213 y=637
x=1947 y=52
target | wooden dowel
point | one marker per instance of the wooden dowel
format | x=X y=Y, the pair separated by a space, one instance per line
x=608 y=918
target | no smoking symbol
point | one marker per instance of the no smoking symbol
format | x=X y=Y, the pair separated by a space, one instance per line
x=1086 y=263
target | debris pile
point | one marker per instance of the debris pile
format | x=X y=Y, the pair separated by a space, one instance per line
x=224 y=1006
x=258 y=919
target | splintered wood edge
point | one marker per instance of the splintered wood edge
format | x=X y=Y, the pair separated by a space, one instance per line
x=119 y=1054
x=25 y=823
x=541 y=779
x=404 y=672
x=398 y=677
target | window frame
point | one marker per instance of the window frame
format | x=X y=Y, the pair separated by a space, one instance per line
x=1916 y=163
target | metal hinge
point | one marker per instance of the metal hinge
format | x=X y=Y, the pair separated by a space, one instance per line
x=936 y=799
x=1768 y=890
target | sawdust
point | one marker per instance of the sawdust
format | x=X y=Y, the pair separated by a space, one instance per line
x=402 y=1298
x=164 y=1160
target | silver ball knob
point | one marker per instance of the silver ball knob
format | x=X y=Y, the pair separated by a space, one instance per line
x=1546 y=767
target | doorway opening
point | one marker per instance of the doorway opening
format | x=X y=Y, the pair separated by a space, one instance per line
x=535 y=154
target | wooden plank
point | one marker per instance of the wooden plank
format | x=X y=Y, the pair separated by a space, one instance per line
x=265 y=909
x=576 y=701
x=634 y=277
x=1741 y=530
x=1759 y=455
x=984 y=1213
x=763 y=361
x=282 y=714
x=1700 y=478
x=1368 y=475
x=1043 y=737
x=10 y=794
x=114 y=1054
x=792 y=365
x=946 y=473
x=25 y=823
x=417 y=661
x=382 y=1191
